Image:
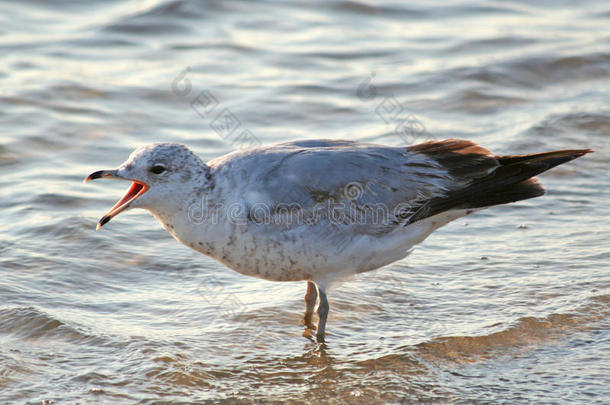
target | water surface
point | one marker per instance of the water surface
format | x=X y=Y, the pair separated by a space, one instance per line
x=509 y=305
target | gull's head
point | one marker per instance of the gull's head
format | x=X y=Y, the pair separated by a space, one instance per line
x=157 y=172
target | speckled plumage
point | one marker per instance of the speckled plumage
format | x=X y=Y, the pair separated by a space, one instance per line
x=316 y=234
x=323 y=210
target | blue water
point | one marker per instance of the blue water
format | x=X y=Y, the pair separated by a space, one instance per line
x=511 y=304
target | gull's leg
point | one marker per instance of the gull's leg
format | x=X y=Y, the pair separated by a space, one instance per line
x=310 y=302
x=322 y=313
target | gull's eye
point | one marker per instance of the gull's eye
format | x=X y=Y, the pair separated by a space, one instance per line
x=157 y=169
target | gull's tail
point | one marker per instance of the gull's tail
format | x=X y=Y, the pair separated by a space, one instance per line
x=514 y=181
x=490 y=180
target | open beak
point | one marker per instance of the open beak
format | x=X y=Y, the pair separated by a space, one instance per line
x=136 y=190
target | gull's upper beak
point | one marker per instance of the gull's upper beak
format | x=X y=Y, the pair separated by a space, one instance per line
x=102 y=173
x=136 y=190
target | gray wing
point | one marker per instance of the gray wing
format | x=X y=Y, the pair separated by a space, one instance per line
x=373 y=188
x=370 y=188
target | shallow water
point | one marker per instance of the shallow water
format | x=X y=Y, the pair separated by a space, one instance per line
x=510 y=305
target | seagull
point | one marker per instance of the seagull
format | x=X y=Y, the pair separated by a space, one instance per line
x=320 y=211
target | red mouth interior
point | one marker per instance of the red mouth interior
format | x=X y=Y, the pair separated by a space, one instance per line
x=134 y=192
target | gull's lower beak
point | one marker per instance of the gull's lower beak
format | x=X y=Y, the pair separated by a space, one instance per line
x=136 y=190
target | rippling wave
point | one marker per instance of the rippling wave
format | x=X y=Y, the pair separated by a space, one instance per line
x=509 y=305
